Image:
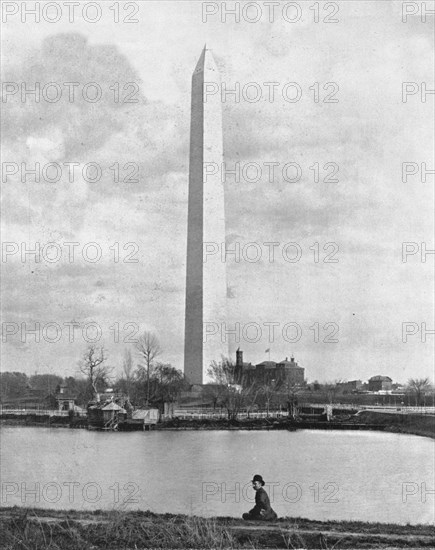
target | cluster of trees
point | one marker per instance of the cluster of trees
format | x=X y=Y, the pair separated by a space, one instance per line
x=227 y=394
x=143 y=379
x=150 y=382
x=16 y=385
x=419 y=387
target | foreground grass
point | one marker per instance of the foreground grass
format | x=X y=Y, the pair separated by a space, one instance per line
x=38 y=529
x=114 y=530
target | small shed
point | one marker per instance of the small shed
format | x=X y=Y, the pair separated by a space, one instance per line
x=147 y=416
x=106 y=416
x=142 y=419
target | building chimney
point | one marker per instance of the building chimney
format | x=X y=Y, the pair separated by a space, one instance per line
x=239 y=357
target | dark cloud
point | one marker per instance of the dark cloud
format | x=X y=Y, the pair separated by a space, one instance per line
x=70 y=58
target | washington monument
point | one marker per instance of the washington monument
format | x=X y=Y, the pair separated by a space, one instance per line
x=206 y=286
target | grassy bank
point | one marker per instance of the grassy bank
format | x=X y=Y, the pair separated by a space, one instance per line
x=224 y=424
x=71 y=530
x=413 y=424
x=43 y=420
x=416 y=424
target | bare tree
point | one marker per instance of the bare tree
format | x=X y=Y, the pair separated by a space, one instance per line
x=332 y=389
x=127 y=369
x=127 y=365
x=251 y=392
x=91 y=365
x=222 y=373
x=269 y=390
x=292 y=400
x=149 y=348
x=213 y=392
x=231 y=395
x=418 y=387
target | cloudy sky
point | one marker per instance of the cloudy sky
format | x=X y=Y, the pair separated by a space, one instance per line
x=368 y=294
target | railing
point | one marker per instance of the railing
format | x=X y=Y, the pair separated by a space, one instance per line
x=424 y=410
x=401 y=410
x=38 y=412
x=184 y=414
x=209 y=414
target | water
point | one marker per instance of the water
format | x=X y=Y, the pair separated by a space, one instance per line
x=343 y=475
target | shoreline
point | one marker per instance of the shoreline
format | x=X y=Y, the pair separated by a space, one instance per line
x=245 y=425
x=78 y=530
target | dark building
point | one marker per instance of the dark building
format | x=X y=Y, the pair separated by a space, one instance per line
x=285 y=373
x=65 y=399
x=351 y=386
x=380 y=383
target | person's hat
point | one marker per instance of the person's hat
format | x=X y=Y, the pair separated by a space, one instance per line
x=257 y=477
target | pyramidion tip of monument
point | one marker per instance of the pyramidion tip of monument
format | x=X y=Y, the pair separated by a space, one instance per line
x=206 y=61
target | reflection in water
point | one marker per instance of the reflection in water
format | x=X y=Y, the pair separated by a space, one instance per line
x=368 y=476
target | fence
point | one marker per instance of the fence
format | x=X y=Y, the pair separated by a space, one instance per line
x=198 y=414
x=37 y=412
x=210 y=414
x=386 y=408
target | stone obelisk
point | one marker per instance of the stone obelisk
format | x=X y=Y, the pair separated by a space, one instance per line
x=206 y=286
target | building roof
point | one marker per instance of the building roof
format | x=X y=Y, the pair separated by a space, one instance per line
x=113 y=407
x=141 y=414
x=267 y=364
x=292 y=362
x=380 y=378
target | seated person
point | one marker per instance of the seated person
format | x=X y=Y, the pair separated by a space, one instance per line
x=262 y=509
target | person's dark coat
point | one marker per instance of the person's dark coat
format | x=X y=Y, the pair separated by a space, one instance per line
x=262 y=509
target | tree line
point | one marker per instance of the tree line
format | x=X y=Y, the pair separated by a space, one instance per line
x=149 y=382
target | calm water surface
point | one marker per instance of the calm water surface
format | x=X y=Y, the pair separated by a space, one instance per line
x=366 y=476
